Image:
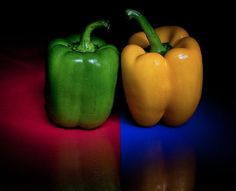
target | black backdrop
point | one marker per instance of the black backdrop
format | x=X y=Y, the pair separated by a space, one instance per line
x=210 y=23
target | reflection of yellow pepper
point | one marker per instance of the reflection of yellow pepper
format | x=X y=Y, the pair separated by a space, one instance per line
x=165 y=83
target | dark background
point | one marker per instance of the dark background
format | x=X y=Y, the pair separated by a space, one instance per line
x=210 y=23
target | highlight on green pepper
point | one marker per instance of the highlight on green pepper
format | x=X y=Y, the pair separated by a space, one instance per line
x=81 y=76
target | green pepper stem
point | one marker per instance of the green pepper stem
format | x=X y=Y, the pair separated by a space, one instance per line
x=86 y=45
x=153 y=38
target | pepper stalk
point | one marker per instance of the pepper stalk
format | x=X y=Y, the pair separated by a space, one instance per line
x=153 y=38
x=85 y=44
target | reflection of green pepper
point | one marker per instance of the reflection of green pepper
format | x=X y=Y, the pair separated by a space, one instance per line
x=81 y=79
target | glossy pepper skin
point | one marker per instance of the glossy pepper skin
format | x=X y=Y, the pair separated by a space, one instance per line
x=163 y=84
x=81 y=78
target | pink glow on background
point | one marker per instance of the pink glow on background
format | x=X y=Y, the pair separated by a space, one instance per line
x=28 y=138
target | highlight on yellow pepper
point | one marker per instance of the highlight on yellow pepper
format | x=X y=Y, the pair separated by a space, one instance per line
x=164 y=83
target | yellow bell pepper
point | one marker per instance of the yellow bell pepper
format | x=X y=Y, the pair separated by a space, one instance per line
x=166 y=82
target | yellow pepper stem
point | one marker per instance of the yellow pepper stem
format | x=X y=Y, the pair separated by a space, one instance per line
x=153 y=38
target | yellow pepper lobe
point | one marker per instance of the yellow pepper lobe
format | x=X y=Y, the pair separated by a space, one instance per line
x=185 y=62
x=146 y=84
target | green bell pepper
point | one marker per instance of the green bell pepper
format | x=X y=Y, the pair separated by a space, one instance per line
x=81 y=77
